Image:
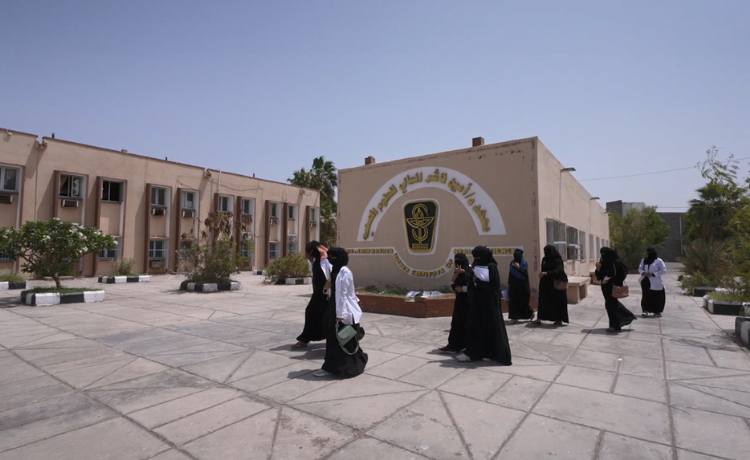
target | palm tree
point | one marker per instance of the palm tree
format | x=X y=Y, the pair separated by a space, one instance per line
x=322 y=176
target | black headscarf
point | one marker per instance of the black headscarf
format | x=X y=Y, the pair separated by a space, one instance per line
x=312 y=248
x=482 y=256
x=650 y=256
x=518 y=255
x=338 y=258
x=609 y=255
x=551 y=253
x=461 y=260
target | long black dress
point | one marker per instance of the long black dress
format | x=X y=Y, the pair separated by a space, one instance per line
x=553 y=303
x=519 y=293
x=457 y=336
x=486 y=334
x=336 y=361
x=316 y=308
x=618 y=314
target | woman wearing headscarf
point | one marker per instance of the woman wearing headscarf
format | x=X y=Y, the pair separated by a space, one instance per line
x=519 y=290
x=486 y=336
x=343 y=310
x=654 y=296
x=553 y=303
x=611 y=271
x=313 y=330
x=459 y=284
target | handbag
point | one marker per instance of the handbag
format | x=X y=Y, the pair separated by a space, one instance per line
x=345 y=335
x=561 y=285
x=620 y=292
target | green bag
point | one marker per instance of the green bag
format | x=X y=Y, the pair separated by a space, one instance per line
x=345 y=335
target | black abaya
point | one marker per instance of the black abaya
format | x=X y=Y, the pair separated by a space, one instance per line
x=519 y=294
x=486 y=333
x=553 y=303
x=619 y=315
x=457 y=335
x=652 y=301
x=316 y=308
x=337 y=362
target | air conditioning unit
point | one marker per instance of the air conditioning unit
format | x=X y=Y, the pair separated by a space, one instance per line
x=6 y=199
x=247 y=236
x=313 y=224
x=188 y=213
x=292 y=238
x=274 y=221
x=156 y=264
x=158 y=211
x=69 y=203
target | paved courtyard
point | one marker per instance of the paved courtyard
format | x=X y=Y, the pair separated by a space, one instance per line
x=155 y=374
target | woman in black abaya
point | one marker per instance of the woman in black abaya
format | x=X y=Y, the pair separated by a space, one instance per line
x=553 y=303
x=612 y=272
x=457 y=335
x=519 y=291
x=486 y=336
x=343 y=309
x=316 y=308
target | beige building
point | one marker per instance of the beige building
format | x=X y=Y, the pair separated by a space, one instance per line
x=146 y=203
x=404 y=220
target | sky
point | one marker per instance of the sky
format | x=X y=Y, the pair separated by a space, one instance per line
x=613 y=88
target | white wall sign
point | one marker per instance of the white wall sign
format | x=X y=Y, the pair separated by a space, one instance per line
x=482 y=209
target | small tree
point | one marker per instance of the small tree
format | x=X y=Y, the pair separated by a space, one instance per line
x=49 y=248
x=290 y=266
x=322 y=176
x=634 y=232
x=213 y=256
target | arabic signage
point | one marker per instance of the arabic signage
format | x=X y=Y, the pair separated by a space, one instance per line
x=482 y=209
x=434 y=272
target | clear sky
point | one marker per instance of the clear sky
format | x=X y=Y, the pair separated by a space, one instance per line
x=612 y=87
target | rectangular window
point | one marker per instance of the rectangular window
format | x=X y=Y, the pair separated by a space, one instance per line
x=188 y=200
x=274 y=210
x=556 y=236
x=157 y=250
x=112 y=254
x=292 y=212
x=571 y=238
x=71 y=186
x=5 y=257
x=246 y=249
x=9 y=179
x=112 y=191
x=158 y=196
x=225 y=203
x=247 y=207
x=583 y=245
x=598 y=244
x=273 y=250
x=592 y=253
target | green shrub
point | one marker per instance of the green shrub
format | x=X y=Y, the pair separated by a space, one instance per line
x=124 y=267
x=213 y=257
x=10 y=276
x=695 y=280
x=290 y=266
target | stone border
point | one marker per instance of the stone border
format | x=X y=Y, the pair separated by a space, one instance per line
x=125 y=279
x=53 y=298
x=206 y=288
x=291 y=281
x=701 y=291
x=722 y=307
x=259 y=272
x=742 y=329
x=6 y=285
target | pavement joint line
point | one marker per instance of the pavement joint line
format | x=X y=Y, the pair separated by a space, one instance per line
x=668 y=394
x=458 y=430
x=599 y=445
x=234 y=371
x=279 y=410
x=111 y=373
x=713 y=396
x=191 y=413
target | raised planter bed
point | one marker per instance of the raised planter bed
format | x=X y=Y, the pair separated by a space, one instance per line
x=52 y=298
x=701 y=291
x=191 y=286
x=125 y=279
x=430 y=307
x=722 y=307
x=6 y=285
x=742 y=329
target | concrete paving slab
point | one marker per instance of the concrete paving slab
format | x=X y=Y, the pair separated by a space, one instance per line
x=641 y=387
x=434 y=374
x=478 y=384
x=397 y=367
x=372 y=449
x=712 y=434
x=542 y=437
x=519 y=393
x=209 y=420
x=95 y=442
x=643 y=367
x=595 y=360
x=161 y=414
x=18 y=371
x=618 y=414
x=617 y=447
x=587 y=378
x=29 y=392
x=707 y=399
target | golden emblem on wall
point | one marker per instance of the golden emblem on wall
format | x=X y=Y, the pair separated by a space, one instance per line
x=420 y=220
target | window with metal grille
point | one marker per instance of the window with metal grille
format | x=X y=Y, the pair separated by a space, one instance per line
x=273 y=250
x=114 y=253
x=157 y=250
x=583 y=245
x=556 y=237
